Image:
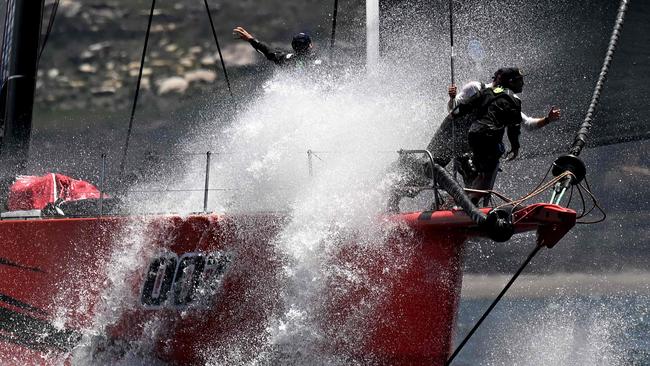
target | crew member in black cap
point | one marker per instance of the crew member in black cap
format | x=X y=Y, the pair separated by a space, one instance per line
x=444 y=148
x=473 y=87
x=497 y=109
x=302 y=55
x=485 y=108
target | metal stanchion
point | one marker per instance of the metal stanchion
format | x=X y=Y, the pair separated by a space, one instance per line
x=207 y=181
x=101 y=185
x=310 y=163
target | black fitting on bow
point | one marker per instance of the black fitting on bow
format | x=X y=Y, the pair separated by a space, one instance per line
x=498 y=224
x=571 y=163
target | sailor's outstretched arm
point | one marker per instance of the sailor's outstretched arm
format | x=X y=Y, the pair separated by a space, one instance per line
x=532 y=123
x=259 y=46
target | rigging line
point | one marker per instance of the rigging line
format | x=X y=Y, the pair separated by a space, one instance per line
x=584 y=205
x=216 y=41
x=494 y=304
x=541 y=189
x=137 y=89
x=318 y=157
x=536 y=191
x=581 y=136
x=544 y=178
x=599 y=209
x=490 y=191
x=541 y=182
x=595 y=221
x=451 y=37
x=454 y=165
x=333 y=36
x=596 y=205
x=182 y=190
x=587 y=212
x=526 y=214
x=591 y=209
x=55 y=7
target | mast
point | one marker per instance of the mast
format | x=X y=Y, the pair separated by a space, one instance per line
x=372 y=33
x=19 y=67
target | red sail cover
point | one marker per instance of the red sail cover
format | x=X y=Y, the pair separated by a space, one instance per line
x=33 y=193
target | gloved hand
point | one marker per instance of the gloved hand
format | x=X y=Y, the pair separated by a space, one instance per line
x=513 y=152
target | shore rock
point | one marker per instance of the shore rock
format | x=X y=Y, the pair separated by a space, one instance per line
x=239 y=54
x=200 y=75
x=174 y=84
x=88 y=68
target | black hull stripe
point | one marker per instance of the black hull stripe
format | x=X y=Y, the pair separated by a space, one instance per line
x=19 y=304
x=35 y=333
x=7 y=262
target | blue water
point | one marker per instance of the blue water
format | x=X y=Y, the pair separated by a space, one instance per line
x=576 y=330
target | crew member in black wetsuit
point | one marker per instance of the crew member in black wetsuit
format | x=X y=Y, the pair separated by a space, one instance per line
x=487 y=114
x=497 y=109
x=302 y=55
x=442 y=145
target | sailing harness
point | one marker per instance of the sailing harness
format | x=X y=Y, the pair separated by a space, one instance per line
x=569 y=171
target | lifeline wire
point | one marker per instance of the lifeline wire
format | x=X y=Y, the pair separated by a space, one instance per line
x=494 y=303
x=216 y=40
x=137 y=90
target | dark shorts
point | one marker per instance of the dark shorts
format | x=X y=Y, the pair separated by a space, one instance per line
x=486 y=151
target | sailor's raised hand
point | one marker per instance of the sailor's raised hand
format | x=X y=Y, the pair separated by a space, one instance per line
x=554 y=114
x=242 y=33
x=453 y=91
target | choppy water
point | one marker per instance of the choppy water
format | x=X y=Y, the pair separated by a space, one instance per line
x=556 y=330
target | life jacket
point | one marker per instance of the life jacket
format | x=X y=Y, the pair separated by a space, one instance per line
x=478 y=105
x=488 y=128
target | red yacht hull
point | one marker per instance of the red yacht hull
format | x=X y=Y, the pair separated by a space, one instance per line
x=206 y=281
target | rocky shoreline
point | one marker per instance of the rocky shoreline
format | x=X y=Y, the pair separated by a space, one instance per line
x=83 y=74
x=93 y=53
